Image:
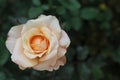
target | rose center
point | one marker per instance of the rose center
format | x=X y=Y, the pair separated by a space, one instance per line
x=39 y=43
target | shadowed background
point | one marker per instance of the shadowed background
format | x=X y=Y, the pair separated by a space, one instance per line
x=92 y=25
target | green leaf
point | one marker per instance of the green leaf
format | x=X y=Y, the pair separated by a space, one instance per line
x=45 y=7
x=116 y=55
x=105 y=16
x=5 y=74
x=106 y=26
x=89 y=13
x=97 y=72
x=35 y=11
x=3 y=57
x=36 y=2
x=22 y=20
x=67 y=4
x=108 y=15
x=61 y=10
x=76 y=23
x=66 y=71
x=75 y=4
x=84 y=71
x=3 y=3
x=2 y=76
x=100 y=17
x=66 y=26
x=75 y=76
x=4 y=54
x=70 y=54
x=82 y=53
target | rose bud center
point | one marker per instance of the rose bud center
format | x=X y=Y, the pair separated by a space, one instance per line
x=39 y=43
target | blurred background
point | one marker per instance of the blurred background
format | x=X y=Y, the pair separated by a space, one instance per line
x=92 y=25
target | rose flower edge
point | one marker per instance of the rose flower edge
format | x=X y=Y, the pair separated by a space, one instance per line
x=47 y=56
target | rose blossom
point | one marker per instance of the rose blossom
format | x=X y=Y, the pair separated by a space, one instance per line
x=39 y=44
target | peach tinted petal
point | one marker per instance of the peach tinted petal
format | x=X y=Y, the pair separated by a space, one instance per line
x=61 y=52
x=29 y=52
x=10 y=44
x=39 y=43
x=52 y=50
x=60 y=62
x=49 y=21
x=34 y=23
x=13 y=34
x=26 y=38
x=64 y=41
x=19 y=58
x=46 y=65
x=53 y=24
x=31 y=55
x=22 y=68
x=26 y=45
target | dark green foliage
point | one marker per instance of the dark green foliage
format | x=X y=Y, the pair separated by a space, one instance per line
x=92 y=25
x=89 y=13
x=84 y=71
x=4 y=54
x=82 y=53
x=36 y=2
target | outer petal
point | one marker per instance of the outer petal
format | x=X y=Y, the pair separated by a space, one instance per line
x=10 y=44
x=46 y=65
x=53 y=24
x=60 y=62
x=64 y=43
x=13 y=34
x=64 y=40
x=48 y=21
x=19 y=58
x=61 y=51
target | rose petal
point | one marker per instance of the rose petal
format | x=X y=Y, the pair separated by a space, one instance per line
x=22 y=68
x=21 y=38
x=46 y=65
x=64 y=41
x=61 y=51
x=10 y=44
x=53 y=48
x=52 y=64
x=60 y=62
x=13 y=34
x=26 y=38
x=33 y=55
x=53 y=24
x=48 y=21
x=19 y=58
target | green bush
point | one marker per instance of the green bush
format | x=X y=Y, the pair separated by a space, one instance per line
x=92 y=25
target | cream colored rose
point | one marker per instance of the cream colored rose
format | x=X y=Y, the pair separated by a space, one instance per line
x=39 y=44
